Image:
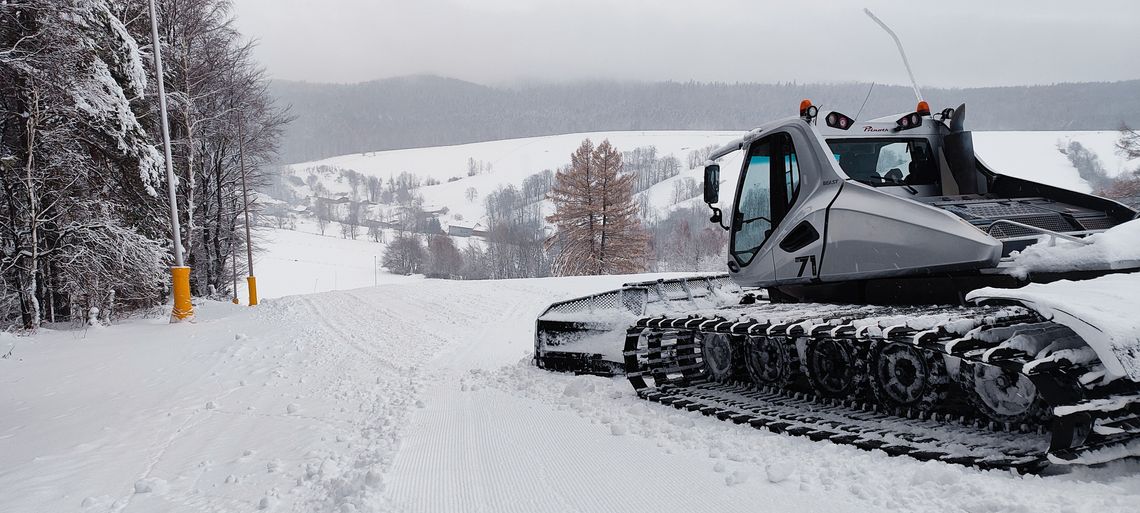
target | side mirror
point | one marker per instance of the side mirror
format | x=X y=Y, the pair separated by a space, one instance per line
x=712 y=184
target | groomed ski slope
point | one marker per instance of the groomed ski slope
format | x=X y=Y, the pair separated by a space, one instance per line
x=419 y=397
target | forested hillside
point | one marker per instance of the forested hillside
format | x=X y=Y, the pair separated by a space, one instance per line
x=424 y=111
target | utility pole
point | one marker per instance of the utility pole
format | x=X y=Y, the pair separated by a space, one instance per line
x=233 y=258
x=251 y=282
x=180 y=273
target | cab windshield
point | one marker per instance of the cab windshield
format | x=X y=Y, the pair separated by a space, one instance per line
x=886 y=162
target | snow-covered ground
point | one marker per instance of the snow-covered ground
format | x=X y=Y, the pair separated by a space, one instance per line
x=416 y=397
x=303 y=261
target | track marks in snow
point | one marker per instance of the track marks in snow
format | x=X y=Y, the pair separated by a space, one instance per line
x=761 y=465
x=421 y=397
x=484 y=450
x=480 y=445
x=380 y=345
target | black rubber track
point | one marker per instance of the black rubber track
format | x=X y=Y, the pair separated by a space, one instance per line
x=962 y=441
x=664 y=364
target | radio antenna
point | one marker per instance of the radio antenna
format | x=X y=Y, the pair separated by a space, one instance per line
x=902 y=52
x=872 y=88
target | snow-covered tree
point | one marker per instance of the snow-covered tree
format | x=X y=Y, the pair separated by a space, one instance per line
x=1126 y=187
x=1128 y=145
x=685 y=241
x=216 y=92
x=444 y=259
x=405 y=254
x=685 y=189
x=83 y=216
x=598 y=230
x=1087 y=164
x=80 y=173
x=515 y=236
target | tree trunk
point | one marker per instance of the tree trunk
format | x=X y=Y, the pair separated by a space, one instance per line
x=31 y=253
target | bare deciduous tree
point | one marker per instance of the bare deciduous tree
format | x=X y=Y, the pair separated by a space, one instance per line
x=405 y=254
x=596 y=217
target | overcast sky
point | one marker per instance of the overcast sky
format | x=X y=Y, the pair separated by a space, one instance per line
x=497 y=42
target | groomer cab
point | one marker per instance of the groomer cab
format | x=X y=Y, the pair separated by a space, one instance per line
x=822 y=198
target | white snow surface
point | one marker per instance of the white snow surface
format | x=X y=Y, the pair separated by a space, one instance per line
x=420 y=397
x=1034 y=155
x=1101 y=310
x=1115 y=248
x=303 y=261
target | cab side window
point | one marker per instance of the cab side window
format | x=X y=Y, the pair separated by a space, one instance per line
x=752 y=221
x=791 y=173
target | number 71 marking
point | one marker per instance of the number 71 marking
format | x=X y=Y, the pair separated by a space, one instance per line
x=804 y=263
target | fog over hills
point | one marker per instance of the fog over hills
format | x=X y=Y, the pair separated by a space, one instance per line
x=418 y=111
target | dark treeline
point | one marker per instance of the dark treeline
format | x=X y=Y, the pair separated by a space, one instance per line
x=423 y=111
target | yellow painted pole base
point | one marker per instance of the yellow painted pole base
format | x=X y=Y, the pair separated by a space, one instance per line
x=183 y=308
x=252 y=286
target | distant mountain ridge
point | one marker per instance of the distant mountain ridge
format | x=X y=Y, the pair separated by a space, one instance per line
x=424 y=110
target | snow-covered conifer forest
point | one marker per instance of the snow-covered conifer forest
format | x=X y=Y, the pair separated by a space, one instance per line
x=85 y=227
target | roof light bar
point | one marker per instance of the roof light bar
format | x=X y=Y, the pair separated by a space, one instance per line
x=838 y=120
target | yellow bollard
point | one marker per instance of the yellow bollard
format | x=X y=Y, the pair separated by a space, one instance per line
x=252 y=282
x=183 y=309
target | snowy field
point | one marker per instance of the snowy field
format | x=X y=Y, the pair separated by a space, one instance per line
x=420 y=397
x=303 y=261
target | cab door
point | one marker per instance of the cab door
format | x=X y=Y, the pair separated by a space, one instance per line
x=775 y=239
x=754 y=217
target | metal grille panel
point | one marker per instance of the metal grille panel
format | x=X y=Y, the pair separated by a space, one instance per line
x=1096 y=223
x=634 y=296
x=996 y=210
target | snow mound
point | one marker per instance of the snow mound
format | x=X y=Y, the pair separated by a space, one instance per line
x=1102 y=311
x=151 y=485
x=780 y=471
x=1116 y=248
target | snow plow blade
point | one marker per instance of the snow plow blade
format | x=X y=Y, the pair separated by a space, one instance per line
x=1101 y=310
x=1101 y=422
x=586 y=335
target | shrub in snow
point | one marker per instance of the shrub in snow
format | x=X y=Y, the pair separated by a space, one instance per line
x=405 y=254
